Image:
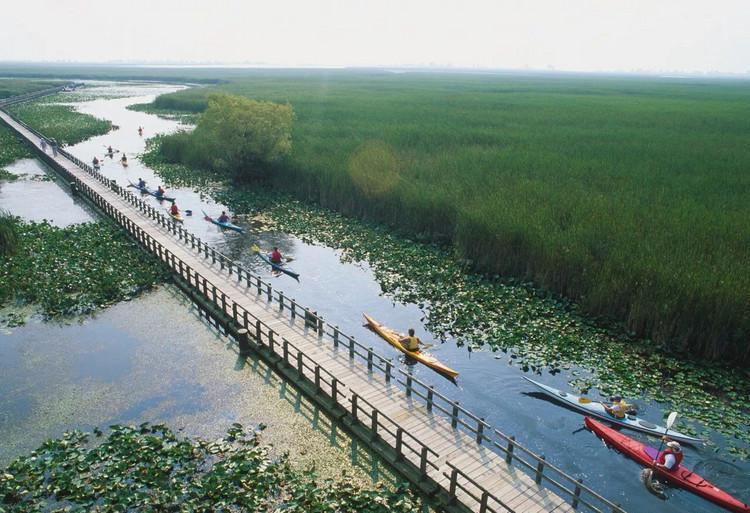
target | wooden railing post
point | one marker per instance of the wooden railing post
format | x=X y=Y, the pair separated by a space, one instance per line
x=317 y=377
x=399 y=443
x=454 y=482
x=423 y=463
x=335 y=336
x=243 y=341
x=369 y=359
x=509 y=452
x=576 y=494
x=281 y=301
x=374 y=424
x=454 y=415
x=351 y=347
x=483 y=504
x=388 y=366
x=408 y=385
x=430 y=397
x=354 y=405
x=480 y=430
x=539 y=470
x=300 y=367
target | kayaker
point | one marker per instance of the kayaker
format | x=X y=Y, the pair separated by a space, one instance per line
x=410 y=342
x=160 y=191
x=124 y=158
x=224 y=218
x=110 y=151
x=141 y=183
x=618 y=408
x=174 y=210
x=671 y=457
x=140 y=130
x=276 y=257
x=95 y=162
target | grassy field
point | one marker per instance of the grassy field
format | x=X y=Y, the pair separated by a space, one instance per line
x=16 y=86
x=60 y=122
x=627 y=194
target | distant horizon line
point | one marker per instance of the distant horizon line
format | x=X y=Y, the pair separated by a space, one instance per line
x=384 y=67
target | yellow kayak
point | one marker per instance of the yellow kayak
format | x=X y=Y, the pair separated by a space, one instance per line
x=393 y=337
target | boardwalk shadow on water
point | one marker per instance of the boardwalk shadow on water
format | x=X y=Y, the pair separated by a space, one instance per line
x=333 y=430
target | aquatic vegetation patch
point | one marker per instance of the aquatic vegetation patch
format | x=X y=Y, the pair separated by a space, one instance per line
x=17 y=86
x=61 y=122
x=12 y=148
x=165 y=113
x=150 y=468
x=531 y=328
x=75 y=270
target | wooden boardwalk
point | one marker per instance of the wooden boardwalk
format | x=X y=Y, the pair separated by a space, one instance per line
x=451 y=453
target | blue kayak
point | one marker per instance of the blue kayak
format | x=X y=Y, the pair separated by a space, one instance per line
x=227 y=225
x=277 y=267
x=152 y=192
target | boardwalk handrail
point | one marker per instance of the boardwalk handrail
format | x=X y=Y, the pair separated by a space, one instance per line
x=4 y=102
x=481 y=431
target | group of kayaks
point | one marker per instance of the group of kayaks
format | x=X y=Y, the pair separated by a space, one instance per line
x=642 y=453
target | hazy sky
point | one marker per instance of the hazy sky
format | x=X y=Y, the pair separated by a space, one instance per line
x=587 y=35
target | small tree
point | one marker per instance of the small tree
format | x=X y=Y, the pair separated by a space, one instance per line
x=240 y=136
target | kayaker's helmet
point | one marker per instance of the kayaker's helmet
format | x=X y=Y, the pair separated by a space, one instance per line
x=675 y=446
x=616 y=398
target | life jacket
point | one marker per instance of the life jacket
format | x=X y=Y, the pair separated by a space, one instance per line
x=174 y=209
x=276 y=257
x=412 y=343
x=677 y=457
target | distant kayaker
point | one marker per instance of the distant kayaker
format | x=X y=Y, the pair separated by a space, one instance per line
x=174 y=210
x=276 y=257
x=224 y=218
x=671 y=457
x=141 y=183
x=140 y=130
x=618 y=408
x=410 y=342
x=95 y=162
x=124 y=158
x=110 y=151
x=160 y=191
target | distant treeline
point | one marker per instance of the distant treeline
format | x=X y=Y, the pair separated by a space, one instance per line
x=628 y=195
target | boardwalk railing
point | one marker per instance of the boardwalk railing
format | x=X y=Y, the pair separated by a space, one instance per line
x=407 y=446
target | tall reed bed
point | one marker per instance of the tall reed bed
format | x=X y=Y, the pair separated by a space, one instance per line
x=628 y=195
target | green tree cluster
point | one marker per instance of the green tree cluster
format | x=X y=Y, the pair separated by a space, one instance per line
x=235 y=136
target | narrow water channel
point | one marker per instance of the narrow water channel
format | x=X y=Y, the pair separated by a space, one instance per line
x=341 y=292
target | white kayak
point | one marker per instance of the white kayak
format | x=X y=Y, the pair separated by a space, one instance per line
x=596 y=409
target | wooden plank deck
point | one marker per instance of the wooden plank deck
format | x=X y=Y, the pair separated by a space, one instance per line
x=487 y=468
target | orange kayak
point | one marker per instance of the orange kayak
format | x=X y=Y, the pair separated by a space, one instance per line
x=393 y=337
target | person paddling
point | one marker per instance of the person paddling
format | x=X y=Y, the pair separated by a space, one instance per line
x=140 y=130
x=224 y=218
x=141 y=183
x=160 y=192
x=110 y=151
x=174 y=210
x=124 y=159
x=618 y=408
x=410 y=342
x=276 y=257
x=95 y=162
x=671 y=457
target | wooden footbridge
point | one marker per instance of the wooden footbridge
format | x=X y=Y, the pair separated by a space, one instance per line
x=450 y=454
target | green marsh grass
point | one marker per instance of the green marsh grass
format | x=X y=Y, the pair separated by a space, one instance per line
x=60 y=122
x=628 y=195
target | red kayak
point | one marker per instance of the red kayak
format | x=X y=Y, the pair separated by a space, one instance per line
x=681 y=477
